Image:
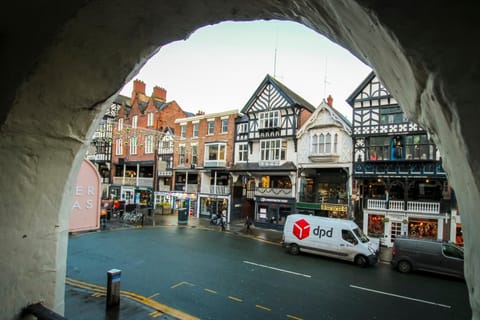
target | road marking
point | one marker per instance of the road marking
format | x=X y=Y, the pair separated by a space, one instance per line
x=153 y=295
x=293 y=317
x=97 y=294
x=278 y=269
x=136 y=297
x=235 y=299
x=183 y=283
x=155 y=314
x=401 y=297
x=210 y=291
x=262 y=307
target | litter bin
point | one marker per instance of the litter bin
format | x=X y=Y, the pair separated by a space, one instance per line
x=182 y=216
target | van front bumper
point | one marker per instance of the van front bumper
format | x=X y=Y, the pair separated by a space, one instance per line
x=372 y=259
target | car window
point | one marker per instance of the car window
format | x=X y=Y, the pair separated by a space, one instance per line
x=452 y=251
x=348 y=236
x=360 y=235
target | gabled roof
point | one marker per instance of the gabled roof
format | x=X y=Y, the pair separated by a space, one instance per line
x=287 y=94
x=336 y=116
x=120 y=99
x=351 y=99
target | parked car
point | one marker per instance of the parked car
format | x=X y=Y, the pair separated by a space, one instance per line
x=410 y=254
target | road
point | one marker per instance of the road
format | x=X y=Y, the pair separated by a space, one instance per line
x=216 y=275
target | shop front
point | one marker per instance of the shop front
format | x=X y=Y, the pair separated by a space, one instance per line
x=387 y=226
x=272 y=212
x=331 y=210
x=180 y=200
x=211 y=205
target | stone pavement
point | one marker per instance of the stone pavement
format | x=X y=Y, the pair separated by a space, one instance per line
x=88 y=301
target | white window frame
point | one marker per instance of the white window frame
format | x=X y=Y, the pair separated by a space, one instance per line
x=150 y=118
x=194 y=152
x=195 y=128
x=134 y=121
x=269 y=119
x=120 y=124
x=133 y=145
x=242 y=155
x=224 y=125
x=183 y=130
x=315 y=144
x=182 y=152
x=149 y=144
x=210 y=127
x=220 y=152
x=119 y=146
x=273 y=150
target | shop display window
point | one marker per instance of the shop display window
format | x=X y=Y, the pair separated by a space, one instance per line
x=376 y=226
x=423 y=229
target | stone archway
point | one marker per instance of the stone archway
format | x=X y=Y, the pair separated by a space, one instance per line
x=63 y=62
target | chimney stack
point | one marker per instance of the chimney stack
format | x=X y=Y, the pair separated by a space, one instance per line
x=160 y=93
x=330 y=101
x=138 y=86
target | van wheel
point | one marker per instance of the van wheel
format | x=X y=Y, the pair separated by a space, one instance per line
x=361 y=261
x=293 y=249
x=404 y=266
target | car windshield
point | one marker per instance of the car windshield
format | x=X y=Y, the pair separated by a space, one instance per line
x=360 y=235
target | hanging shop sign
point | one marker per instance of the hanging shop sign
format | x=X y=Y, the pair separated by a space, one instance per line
x=85 y=211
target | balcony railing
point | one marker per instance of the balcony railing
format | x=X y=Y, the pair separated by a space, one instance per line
x=273 y=192
x=132 y=181
x=218 y=190
x=411 y=206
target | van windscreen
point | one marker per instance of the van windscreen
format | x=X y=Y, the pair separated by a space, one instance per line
x=360 y=235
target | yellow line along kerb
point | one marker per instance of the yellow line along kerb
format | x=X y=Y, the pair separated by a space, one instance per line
x=136 y=297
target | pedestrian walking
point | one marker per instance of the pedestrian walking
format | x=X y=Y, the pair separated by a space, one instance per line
x=248 y=223
x=222 y=219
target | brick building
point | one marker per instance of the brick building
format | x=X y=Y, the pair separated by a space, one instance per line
x=203 y=148
x=141 y=126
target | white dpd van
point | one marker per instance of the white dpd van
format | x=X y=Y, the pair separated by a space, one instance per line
x=336 y=238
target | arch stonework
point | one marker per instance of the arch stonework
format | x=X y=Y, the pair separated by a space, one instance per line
x=63 y=62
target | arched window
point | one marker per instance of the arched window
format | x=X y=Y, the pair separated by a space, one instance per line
x=321 y=143
x=328 y=143
x=335 y=143
x=314 y=144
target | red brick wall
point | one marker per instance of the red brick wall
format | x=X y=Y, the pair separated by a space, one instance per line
x=203 y=138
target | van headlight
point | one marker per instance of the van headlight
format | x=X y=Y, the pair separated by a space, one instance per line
x=371 y=250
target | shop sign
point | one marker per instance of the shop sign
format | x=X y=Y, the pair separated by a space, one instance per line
x=85 y=211
x=333 y=207
x=273 y=200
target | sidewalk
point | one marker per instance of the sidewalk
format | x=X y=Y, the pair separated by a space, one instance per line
x=88 y=301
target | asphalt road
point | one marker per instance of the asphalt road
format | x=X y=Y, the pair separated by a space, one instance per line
x=216 y=275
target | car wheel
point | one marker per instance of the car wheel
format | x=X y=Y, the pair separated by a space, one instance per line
x=361 y=261
x=404 y=266
x=293 y=249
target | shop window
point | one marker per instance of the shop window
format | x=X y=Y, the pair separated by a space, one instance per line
x=376 y=226
x=423 y=229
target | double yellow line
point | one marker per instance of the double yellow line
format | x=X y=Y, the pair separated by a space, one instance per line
x=159 y=307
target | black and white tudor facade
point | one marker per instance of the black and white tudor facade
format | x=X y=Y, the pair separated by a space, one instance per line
x=265 y=172
x=402 y=187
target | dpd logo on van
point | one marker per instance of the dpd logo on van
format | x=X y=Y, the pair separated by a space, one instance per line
x=301 y=229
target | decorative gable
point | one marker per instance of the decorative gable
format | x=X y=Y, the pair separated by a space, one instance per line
x=267 y=97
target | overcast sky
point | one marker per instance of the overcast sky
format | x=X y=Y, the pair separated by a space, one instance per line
x=219 y=67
